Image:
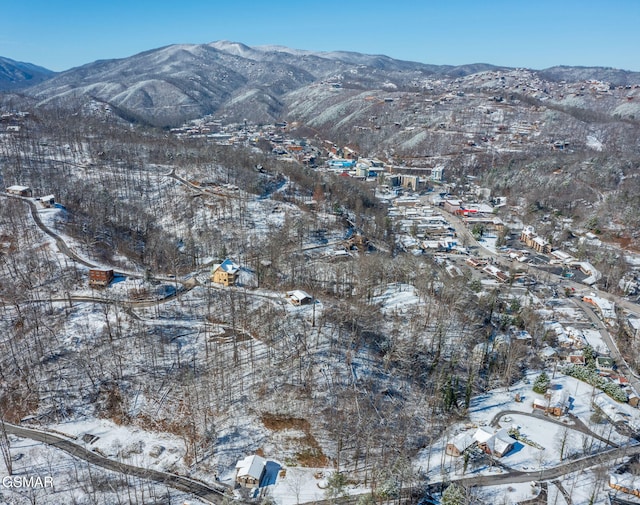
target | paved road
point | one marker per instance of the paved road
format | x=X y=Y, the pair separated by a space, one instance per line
x=207 y=190
x=516 y=476
x=613 y=348
x=210 y=494
x=634 y=308
x=186 y=285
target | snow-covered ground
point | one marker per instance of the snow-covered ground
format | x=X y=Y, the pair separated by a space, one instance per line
x=74 y=481
x=547 y=436
x=396 y=298
x=508 y=494
x=129 y=444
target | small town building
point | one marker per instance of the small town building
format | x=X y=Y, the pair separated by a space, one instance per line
x=588 y=269
x=475 y=262
x=452 y=206
x=250 y=470
x=576 y=359
x=606 y=308
x=531 y=239
x=634 y=324
x=496 y=272
x=99 y=278
x=604 y=365
x=436 y=173
x=562 y=257
x=225 y=273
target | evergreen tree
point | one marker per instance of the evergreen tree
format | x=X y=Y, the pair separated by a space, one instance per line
x=542 y=383
x=453 y=495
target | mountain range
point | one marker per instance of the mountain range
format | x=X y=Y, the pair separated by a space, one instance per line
x=17 y=74
x=169 y=85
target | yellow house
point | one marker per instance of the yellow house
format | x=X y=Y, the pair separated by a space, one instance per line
x=226 y=273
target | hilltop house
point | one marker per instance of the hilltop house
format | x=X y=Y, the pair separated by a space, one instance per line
x=554 y=403
x=250 y=470
x=47 y=201
x=226 y=273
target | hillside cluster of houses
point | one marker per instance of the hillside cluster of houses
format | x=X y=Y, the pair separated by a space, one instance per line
x=570 y=343
x=12 y=121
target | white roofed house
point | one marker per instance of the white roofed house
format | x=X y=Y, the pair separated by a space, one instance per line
x=250 y=470
x=19 y=190
x=47 y=201
x=606 y=308
x=460 y=443
x=299 y=297
x=634 y=324
x=555 y=402
x=496 y=443
x=501 y=443
x=588 y=269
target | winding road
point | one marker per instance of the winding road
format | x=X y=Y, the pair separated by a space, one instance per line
x=218 y=493
x=203 y=491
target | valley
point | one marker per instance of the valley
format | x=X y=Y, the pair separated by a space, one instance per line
x=329 y=277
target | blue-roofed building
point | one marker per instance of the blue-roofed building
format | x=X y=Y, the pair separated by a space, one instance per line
x=226 y=273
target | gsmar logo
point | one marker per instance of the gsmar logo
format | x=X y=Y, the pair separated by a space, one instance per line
x=24 y=482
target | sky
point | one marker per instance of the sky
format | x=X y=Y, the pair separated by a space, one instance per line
x=61 y=34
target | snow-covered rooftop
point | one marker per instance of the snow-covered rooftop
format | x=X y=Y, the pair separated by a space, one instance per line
x=251 y=466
